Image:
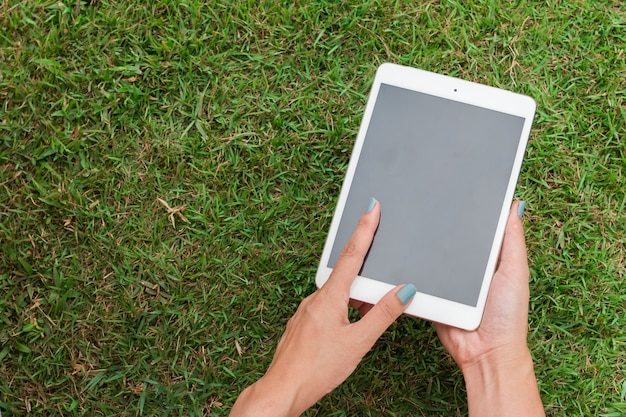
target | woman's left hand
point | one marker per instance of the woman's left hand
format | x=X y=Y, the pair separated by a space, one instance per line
x=320 y=347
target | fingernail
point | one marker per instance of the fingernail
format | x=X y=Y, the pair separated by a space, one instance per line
x=406 y=293
x=371 y=205
x=520 y=209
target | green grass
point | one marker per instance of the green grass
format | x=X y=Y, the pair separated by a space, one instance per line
x=241 y=117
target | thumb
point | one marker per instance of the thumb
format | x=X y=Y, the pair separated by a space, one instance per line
x=385 y=312
x=513 y=255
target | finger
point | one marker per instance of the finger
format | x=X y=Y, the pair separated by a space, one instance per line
x=513 y=252
x=385 y=312
x=353 y=254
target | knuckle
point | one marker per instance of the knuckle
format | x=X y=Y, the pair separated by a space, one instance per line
x=366 y=222
x=311 y=304
x=387 y=311
x=351 y=250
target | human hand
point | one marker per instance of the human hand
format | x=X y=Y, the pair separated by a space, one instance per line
x=320 y=347
x=495 y=360
x=505 y=321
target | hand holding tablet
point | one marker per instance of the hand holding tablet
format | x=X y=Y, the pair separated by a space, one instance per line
x=321 y=347
x=442 y=156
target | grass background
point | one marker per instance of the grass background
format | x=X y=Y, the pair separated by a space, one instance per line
x=168 y=173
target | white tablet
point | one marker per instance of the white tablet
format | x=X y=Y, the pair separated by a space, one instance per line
x=442 y=156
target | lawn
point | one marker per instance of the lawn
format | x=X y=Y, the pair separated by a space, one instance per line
x=169 y=170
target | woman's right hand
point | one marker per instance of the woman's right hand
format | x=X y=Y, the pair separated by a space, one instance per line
x=505 y=322
x=494 y=358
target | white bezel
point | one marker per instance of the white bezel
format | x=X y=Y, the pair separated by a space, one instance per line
x=424 y=305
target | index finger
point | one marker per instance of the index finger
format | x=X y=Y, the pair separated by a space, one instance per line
x=351 y=259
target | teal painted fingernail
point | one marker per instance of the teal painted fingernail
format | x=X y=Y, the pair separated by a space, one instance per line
x=520 y=209
x=371 y=205
x=406 y=293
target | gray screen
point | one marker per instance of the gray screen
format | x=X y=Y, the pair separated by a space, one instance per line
x=440 y=170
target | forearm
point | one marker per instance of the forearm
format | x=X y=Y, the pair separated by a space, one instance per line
x=503 y=385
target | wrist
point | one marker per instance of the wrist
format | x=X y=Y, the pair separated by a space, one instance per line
x=503 y=383
x=266 y=397
x=499 y=361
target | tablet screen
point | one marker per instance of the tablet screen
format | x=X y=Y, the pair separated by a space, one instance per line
x=440 y=170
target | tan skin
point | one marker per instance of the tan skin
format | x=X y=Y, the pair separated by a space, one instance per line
x=321 y=348
x=495 y=360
